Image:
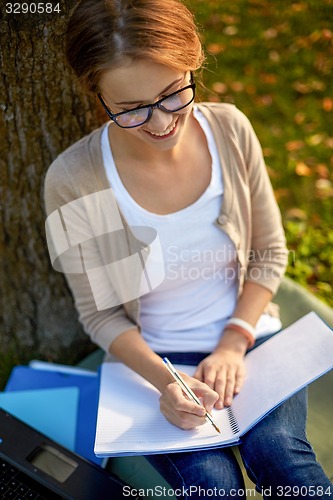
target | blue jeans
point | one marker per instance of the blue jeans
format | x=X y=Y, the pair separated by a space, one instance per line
x=276 y=454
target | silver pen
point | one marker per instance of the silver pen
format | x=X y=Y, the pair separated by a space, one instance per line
x=187 y=390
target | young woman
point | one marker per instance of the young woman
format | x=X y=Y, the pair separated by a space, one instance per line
x=194 y=174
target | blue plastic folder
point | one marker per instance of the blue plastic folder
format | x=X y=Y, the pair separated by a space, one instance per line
x=24 y=378
x=50 y=411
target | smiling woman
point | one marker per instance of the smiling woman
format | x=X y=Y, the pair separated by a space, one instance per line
x=195 y=175
x=160 y=124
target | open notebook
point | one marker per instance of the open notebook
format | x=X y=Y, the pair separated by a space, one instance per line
x=129 y=421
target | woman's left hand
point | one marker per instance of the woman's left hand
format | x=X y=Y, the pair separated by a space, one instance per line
x=224 y=372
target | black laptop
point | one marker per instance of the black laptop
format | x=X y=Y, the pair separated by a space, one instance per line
x=34 y=467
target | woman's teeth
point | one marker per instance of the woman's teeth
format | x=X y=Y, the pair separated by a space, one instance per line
x=166 y=132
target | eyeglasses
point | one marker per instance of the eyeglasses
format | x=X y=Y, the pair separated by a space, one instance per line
x=138 y=116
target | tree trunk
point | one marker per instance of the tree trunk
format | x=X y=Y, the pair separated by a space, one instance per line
x=42 y=112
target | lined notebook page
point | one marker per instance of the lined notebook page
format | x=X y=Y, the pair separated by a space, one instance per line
x=130 y=422
x=129 y=418
x=281 y=366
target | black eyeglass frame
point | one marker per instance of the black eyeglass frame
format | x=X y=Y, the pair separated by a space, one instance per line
x=157 y=105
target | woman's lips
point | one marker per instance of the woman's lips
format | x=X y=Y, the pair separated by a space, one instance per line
x=170 y=131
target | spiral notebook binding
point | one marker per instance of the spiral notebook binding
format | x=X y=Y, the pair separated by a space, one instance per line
x=232 y=421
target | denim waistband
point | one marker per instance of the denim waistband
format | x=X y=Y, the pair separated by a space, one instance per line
x=194 y=358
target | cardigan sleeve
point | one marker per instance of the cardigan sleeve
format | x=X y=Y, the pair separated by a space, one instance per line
x=267 y=256
x=102 y=325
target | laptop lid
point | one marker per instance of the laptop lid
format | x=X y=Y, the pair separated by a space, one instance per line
x=30 y=461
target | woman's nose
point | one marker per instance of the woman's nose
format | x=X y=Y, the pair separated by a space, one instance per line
x=159 y=121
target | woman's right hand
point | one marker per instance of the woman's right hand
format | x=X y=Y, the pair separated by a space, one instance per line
x=179 y=410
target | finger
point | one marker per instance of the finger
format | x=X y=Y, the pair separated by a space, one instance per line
x=209 y=400
x=183 y=420
x=177 y=409
x=240 y=377
x=181 y=402
x=229 y=388
x=198 y=374
x=209 y=376
x=208 y=395
x=220 y=387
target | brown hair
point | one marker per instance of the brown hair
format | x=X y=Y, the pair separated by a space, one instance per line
x=103 y=34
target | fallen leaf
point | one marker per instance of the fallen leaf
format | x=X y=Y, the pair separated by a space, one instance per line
x=294 y=145
x=268 y=78
x=270 y=33
x=264 y=100
x=327 y=34
x=274 y=56
x=323 y=63
x=315 y=219
x=215 y=48
x=281 y=193
x=299 y=7
x=315 y=36
x=315 y=140
x=213 y=98
x=220 y=87
x=267 y=152
x=242 y=42
x=318 y=85
x=295 y=213
x=214 y=20
x=327 y=104
x=302 y=88
x=283 y=27
x=310 y=127
x=303 y=42
x=324 y=184
x=302 y=169
x=273 y=174
x=299 y=118
x=230 y=30
x=322 y=171
x=237 y=86
x=250 y=89
x=230 y=19
x=324 y=188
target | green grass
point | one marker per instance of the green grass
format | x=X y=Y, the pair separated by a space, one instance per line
x=274 y=60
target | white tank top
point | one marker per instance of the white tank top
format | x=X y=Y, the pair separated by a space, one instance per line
x=189 y=309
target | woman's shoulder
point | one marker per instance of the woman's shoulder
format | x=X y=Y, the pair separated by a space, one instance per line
x=80 y=152
x=229 y=121
x=226 y=113
x=73 y=172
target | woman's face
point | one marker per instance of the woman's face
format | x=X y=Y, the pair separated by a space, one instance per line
x=145 y=82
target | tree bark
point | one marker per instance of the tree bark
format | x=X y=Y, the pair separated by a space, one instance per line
x=42 y=112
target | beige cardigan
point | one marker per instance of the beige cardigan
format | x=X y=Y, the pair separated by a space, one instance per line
x=249 y=214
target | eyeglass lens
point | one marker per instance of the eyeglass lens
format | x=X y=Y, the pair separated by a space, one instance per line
x=169 y=104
